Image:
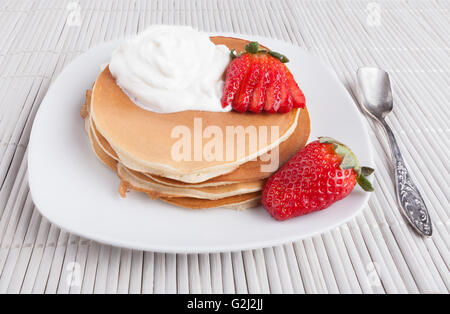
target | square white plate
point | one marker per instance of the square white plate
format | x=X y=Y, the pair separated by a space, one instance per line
x=75 y=191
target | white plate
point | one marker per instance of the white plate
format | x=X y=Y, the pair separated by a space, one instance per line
x=75 y=191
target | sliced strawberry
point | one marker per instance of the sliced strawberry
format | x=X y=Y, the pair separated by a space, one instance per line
x=273 y=91
x=257 y=80
x=286 y=101
x=259 y=94
x=287 y=104
x=236 y=72
x=245 y=95
x=298 y=98
x=257 y=103
x=238 y=104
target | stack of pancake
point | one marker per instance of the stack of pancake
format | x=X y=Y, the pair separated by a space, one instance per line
x=138 y=145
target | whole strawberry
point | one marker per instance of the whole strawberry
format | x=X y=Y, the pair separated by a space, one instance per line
x=258 y=80
x=323 y=172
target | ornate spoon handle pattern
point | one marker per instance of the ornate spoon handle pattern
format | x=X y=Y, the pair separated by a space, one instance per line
x=411 y=202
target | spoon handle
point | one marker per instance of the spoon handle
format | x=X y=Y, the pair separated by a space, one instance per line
x=411 y=202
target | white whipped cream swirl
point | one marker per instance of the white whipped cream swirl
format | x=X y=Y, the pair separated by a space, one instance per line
x=171 y=68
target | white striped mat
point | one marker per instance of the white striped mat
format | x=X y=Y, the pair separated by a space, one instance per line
x=374 y=253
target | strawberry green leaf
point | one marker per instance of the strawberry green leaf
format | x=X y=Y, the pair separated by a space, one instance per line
x=349 y=162
x=364 y=183
x=279 y=56
x=367 y=171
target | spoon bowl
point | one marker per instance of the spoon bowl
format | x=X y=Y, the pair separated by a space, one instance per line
x=374 y=89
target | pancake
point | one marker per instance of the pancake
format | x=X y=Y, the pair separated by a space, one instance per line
x=102 y=142
x=250 y=171
x=103 y=145
x=99 y=152
x=172 y=182
x=84 y=111
x=238 y=202
x=142 y=139
x=139 y=182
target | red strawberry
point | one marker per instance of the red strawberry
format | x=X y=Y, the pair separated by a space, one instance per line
x=245 y=94
x=258 y=80
x=273 y=91
x=298 y=98
x=323 y=172
x=259 y=94
x=236 y=72
x=287 y=104
x=286 y=98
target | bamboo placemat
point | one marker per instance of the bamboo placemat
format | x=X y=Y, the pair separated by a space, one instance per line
x=374 y=253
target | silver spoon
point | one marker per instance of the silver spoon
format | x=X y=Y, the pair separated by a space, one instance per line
x=375 y=97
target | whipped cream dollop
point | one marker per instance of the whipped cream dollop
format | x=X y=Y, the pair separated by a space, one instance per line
x=171 y=68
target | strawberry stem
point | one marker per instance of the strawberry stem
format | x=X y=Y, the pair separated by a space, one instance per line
x=252 y=47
